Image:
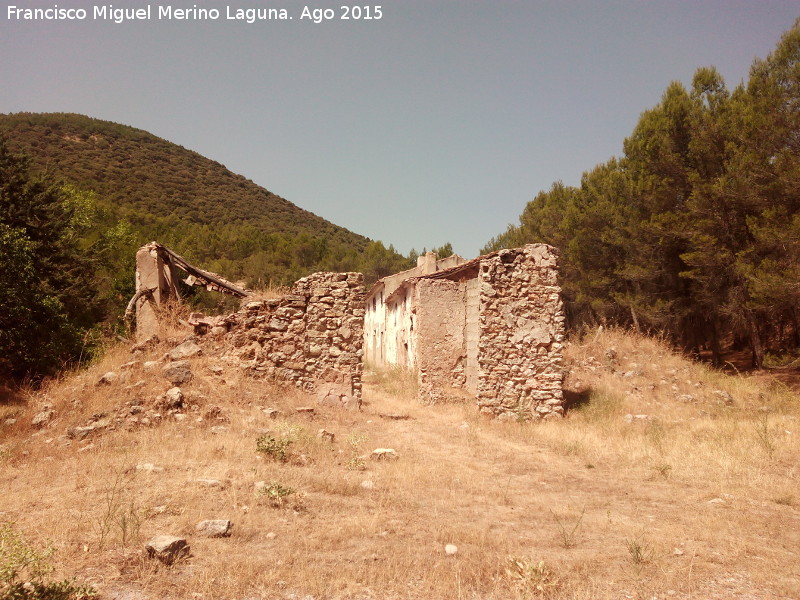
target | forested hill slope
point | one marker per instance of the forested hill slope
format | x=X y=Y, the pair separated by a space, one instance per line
x=79 y=196
x=150 y=176
x=215 y=217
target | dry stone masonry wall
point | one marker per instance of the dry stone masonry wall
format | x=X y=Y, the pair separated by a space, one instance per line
x=311 y=337
x=492 y=329
x=521 y=334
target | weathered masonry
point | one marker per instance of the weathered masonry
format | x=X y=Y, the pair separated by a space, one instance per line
x=491 y=329
x=311 y=337
x=389 y=337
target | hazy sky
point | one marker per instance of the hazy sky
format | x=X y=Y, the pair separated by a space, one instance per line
x=435 y=123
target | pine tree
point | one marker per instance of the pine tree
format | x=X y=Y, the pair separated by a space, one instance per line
x=46 y=291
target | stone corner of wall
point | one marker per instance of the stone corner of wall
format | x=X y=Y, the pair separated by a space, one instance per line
x=522 y=333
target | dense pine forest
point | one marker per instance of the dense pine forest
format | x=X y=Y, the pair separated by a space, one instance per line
x=695 y=230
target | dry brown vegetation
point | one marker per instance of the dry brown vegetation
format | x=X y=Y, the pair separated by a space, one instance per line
x=697 y=497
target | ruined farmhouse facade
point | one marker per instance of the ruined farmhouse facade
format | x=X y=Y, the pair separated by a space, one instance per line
x=491 y=329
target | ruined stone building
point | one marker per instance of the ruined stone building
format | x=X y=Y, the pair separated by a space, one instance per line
x=491 y=329
x=157 y=274
x=389 y=338
x=311 y=337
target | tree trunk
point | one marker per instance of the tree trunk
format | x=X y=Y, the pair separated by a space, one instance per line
x=716 y=353
x=635 y=320
x=755 y=341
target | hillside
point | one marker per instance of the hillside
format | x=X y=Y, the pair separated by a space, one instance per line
x=150 y=177
x=212 y=216
x=665 y=480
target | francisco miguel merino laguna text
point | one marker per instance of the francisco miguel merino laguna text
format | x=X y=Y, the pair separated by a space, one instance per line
x=170 y=13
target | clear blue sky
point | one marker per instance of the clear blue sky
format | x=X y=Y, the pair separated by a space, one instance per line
x=436 y=123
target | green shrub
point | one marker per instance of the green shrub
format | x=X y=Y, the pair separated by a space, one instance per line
x=276 y=493
x=274 y=448
x=23 y=570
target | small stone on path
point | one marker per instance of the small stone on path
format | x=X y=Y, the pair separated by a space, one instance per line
x=384 y=454
x=214 y=483
x=178 y=372
x=149 y=468
x=43 y=418
x=185 y=350
x=174 y=397
x=167 y=548
x=108 y=378
x=324 y=434
x=214 y=528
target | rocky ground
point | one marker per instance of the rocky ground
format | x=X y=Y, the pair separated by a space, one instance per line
x=166 y=471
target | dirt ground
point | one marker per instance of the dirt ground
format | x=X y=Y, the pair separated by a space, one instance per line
x=651 y=488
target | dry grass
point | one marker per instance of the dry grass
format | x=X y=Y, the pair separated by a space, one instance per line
x=698 y=500
x=268 y=292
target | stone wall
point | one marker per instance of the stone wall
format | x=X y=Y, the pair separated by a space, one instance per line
x=311 y=337
x=441 y=314
x=521 y=333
